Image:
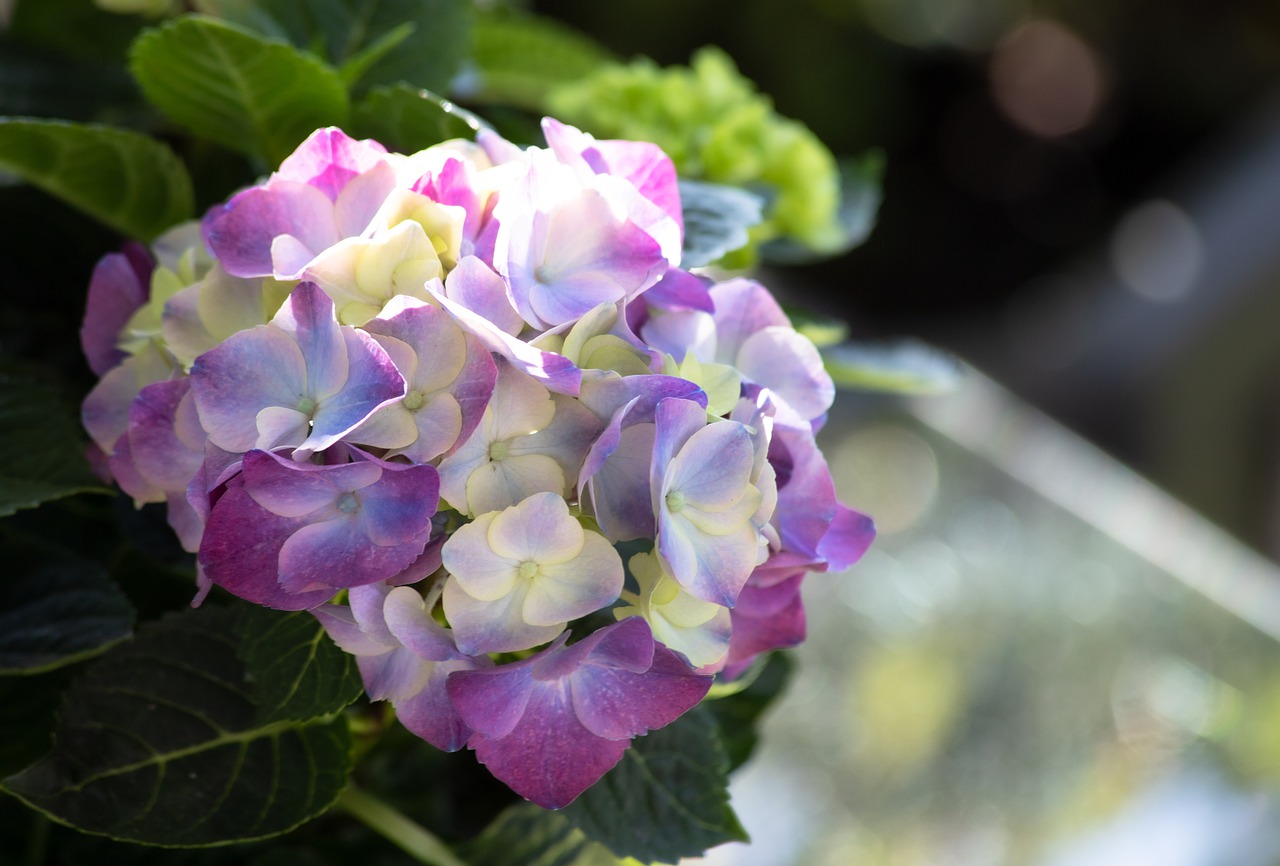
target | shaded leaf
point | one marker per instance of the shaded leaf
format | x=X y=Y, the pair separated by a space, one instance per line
x=528 y=835
x=672 y=788
x=860 y=196
x=737 y=714
x=422 y=42
x=716 y=219
x=74 y=28
x=124 y=179
x=27 y=708
x=909 y=367
x=407 y=119
x=821 y=330
x=232 y=86
x=159 y=743
x=41 y=449
x=55 y=608
x=518 y=58
x=299 y=672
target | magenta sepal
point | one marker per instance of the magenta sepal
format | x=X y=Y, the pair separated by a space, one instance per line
x=551 y=725
x=766 y=618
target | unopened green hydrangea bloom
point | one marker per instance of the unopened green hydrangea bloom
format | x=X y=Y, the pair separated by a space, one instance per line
x=716 y=126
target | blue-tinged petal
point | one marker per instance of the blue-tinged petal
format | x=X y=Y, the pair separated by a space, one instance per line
x=250 y=371
x=399 y=508
x=119 y=286
x=788 y=364
x=337 y=553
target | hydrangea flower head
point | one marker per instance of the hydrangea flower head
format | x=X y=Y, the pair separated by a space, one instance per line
x=439 y=398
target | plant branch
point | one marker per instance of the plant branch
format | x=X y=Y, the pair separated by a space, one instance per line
x=407 y=835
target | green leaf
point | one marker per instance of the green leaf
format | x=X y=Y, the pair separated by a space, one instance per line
x=407 y=119
x=55 y=608
x=860 y=197
x=909 y=367
x=672 y=789
x=820 y=329
x=716 y=219
x=421 y=42
x=233 y=87
x=519 y=58
x=126 y=180
x=528 y=835
x=159 y=743
x=299 y=672
x=74 y=28
x=27 y=708
x=738 y=713
x=41 y=449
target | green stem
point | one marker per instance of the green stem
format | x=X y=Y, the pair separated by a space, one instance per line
x=38 y=841
x=407 y=835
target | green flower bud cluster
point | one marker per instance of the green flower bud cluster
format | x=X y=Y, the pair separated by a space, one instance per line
x=716 y=126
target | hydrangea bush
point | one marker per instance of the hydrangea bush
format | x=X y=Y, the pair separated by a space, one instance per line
x=465 y=407
x=489 y=491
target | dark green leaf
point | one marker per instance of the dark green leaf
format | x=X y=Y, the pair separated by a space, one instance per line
x=128 y=181
x=908 y=367
x=55 y=608
x=27 y=708
x=737 y=714
x=236 y=88
x=41 y=450
x=408 y=119
x=299 y=672
x=75 y=28
x=38 y=83
x=159 y=743
x=860 y=195
x=422 y=42
x=519 y=58
x=716 y=219
x=672 y=789
x=528 y=835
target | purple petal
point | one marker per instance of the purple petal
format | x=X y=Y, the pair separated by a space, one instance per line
x=550 y=758
x=555 y=372
x=614 y=703
x=160 y=453
x=291 y=489
x=492 y=701
x=119 y=286
x=240 y=552
x=399 y=508
x=680 y=290
x=477 y=287
x=338 y=553
x=248 y=372
x=430 y=713
x=743 y=307
x=766 y=618
x=847 y=539
x=241 y=232
x=329 y=159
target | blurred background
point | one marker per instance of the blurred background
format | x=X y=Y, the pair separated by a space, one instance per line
x=1063 y=647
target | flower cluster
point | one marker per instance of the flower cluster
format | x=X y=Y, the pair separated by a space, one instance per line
x=465 y=407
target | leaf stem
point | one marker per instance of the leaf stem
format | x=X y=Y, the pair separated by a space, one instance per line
x=407 y=835
x=38 y=842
